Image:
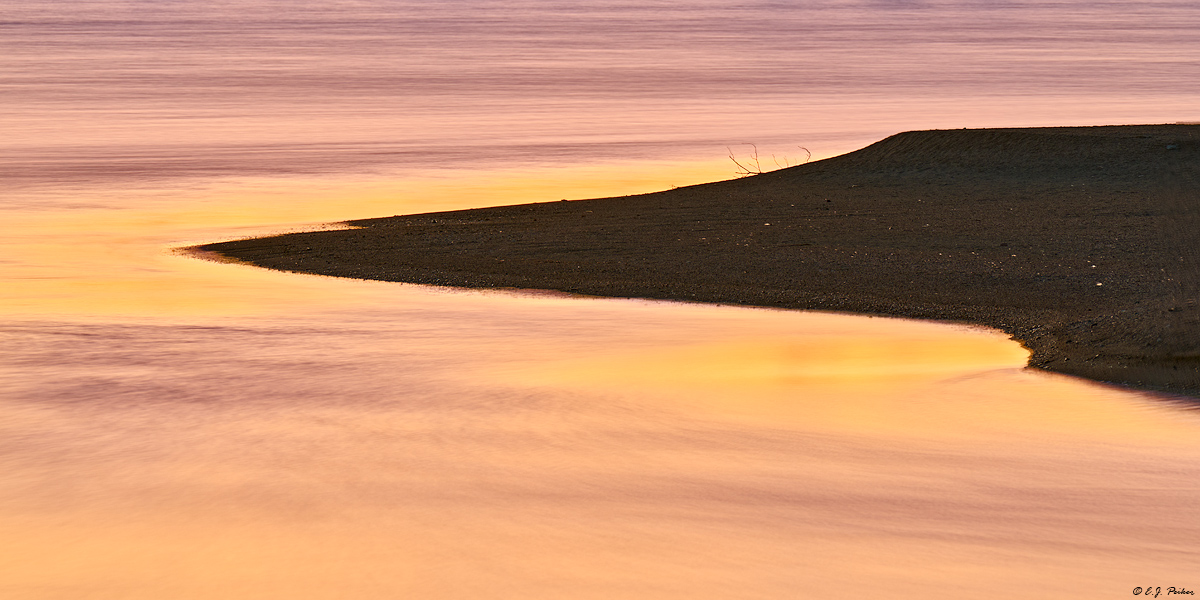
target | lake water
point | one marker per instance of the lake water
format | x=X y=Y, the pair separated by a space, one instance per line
x=177 y=428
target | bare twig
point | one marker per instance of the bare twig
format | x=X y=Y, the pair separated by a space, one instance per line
x=752 y=166
x=756 y=169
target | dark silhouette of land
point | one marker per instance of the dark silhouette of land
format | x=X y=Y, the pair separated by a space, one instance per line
x=1082 y=243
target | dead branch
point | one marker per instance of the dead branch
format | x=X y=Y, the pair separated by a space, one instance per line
x=756 y=169
x=752 y=166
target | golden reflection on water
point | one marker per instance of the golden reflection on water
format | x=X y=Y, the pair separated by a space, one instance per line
x=527 y=447
x=105 y=261
x=885 y=377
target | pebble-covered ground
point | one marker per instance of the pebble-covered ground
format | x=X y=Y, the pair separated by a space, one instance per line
x=1083 y=243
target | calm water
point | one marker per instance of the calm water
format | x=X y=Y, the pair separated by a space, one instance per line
x=176 y=428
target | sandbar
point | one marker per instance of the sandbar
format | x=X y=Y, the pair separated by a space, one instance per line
x=1082 y=243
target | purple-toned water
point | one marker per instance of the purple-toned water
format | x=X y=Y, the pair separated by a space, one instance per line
x=176 y=428
x=109 y=93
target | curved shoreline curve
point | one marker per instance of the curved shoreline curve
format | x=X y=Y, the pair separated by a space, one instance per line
x=1082 y=243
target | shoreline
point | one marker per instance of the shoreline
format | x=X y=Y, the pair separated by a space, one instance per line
x=1082 y=243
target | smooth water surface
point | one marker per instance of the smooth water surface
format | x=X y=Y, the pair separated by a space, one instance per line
x=172 y=427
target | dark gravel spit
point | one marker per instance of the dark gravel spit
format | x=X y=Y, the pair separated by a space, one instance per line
x=1082 y=243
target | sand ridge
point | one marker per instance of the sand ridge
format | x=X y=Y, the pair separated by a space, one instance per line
x=1080 y=242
